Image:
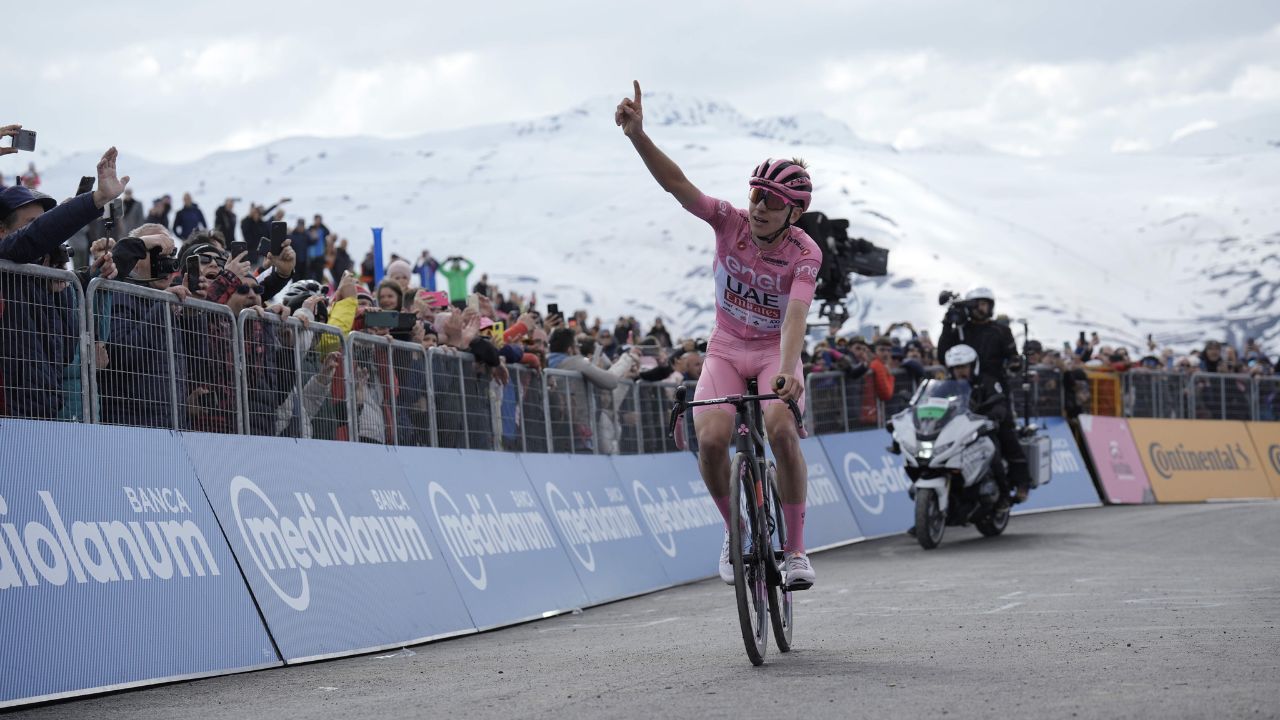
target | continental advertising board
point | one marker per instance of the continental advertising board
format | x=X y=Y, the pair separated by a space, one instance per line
x=1197 y=460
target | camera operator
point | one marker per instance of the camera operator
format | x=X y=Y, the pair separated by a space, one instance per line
x=969 y=322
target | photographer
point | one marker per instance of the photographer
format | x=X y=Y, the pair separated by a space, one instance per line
x=969 y=322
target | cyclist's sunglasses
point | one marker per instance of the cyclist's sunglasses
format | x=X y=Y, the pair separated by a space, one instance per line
x=772 y=200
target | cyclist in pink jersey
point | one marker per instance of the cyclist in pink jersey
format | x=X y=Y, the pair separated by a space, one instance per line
x=766 y=270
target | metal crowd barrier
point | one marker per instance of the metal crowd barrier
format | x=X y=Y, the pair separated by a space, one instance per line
x=43 y=344
x=479 y=405
x=450 y=417
x=1216 y=396
x=163 y=362
x=124 y=353
x=569 y=412
x=1156 y=395
x=1267 y=398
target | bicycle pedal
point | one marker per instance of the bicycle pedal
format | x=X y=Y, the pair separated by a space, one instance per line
x=797 y=586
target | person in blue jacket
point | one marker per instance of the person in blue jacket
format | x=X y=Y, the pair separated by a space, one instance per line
x=189 y=219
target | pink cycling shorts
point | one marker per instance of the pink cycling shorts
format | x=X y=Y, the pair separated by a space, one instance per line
x=729 y=365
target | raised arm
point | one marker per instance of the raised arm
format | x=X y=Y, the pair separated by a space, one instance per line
x=630 y=117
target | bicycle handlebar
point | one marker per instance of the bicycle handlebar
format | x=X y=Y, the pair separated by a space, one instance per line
x=682 y=405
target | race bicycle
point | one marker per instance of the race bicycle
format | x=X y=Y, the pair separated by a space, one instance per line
x=757 y=530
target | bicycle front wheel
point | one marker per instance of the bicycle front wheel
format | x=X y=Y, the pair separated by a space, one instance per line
x=749 y=582
x=779 y=596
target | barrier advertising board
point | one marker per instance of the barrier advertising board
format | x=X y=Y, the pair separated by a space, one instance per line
x=1072 y=486
x=1116 y=459
x=873 y=479
x=113 y=570
x=599 y=524
x=828 y=518
x=1266 y=440
x=676 y=512
x=500 y=545
x=1195 y=460
x=336 y=547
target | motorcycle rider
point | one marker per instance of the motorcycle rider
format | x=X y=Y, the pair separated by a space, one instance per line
x=969 y=323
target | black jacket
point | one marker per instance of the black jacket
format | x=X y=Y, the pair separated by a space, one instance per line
x=224 y=221
x=992 y=341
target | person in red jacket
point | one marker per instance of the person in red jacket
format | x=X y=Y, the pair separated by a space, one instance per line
x=878 y=387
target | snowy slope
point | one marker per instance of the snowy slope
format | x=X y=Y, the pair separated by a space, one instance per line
x=1183 y=243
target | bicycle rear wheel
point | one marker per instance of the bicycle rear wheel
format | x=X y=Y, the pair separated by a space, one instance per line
x=779 y=599
x=750 y=585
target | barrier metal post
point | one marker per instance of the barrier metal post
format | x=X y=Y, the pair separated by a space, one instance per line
x=42 y=337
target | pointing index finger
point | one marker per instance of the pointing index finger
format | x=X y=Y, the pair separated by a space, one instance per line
x=636 y=84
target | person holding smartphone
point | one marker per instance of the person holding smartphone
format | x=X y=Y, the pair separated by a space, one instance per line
x=766 y=272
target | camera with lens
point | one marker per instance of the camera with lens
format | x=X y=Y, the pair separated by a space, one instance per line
x=957 y=310
x=163 y=265
x=842 y=256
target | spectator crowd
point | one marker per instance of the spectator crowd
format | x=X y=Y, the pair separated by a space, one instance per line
x=423 y=301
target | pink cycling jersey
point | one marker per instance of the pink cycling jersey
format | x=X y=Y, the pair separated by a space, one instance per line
x=753 y=286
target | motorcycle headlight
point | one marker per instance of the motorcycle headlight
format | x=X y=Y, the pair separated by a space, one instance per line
x=926 y=450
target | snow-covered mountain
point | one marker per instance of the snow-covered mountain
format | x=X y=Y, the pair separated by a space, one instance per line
x=1183 y=242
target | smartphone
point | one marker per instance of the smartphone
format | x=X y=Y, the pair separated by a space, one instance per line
x=553 y=309
x=238 y=247
x=264 y=245
x=473 y=301
x=193 y=273
x=86 y=184
x=25 y=140
x=1081 y=336
x=382 y=319
x=279 y=233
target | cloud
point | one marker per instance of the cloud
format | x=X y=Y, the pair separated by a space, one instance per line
x=1029 y=77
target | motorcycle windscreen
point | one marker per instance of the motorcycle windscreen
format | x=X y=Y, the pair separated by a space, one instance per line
x=937 y=402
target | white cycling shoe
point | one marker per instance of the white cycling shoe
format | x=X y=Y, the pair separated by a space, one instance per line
x=797 y=573
x=726 y=562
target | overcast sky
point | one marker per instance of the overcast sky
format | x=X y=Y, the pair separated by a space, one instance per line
x=173 y=81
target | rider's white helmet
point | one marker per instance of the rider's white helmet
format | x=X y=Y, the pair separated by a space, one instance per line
x=981 y=293
x=961 y=355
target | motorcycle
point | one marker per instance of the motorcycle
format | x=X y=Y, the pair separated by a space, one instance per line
x=957 y=476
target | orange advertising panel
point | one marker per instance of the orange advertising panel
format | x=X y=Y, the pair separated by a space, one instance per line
x=1266 y=439
x=1195 y=460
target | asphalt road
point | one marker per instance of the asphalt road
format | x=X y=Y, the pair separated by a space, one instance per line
x=1154 y=612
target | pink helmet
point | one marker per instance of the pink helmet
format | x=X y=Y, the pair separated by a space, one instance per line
x=786 y=178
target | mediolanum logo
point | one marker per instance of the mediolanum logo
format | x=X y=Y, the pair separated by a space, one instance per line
x=51 y=551
x=870 y=485
x=584 y=522
x=483 y=530
x=668 y=513
x=1227 y=457
x=284 y=547
x=1274 y=453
